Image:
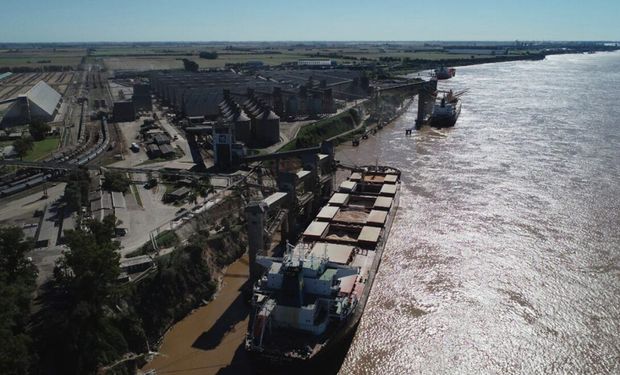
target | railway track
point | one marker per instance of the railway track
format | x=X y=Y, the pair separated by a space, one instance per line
x=77 y=157
x=93 y=139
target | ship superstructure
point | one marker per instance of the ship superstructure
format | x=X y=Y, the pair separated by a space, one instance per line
x=314 y=295
x=446 y=110
x=444 y=73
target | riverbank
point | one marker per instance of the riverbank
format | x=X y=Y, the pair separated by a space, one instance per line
x=417 y=65
x=361 y=133
x=209 y=340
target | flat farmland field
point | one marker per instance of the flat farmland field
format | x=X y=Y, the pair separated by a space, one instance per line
x=102 y=51
x=175 y=62
x=37 y=57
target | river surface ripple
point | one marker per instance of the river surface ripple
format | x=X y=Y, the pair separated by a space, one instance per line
x=505 y=256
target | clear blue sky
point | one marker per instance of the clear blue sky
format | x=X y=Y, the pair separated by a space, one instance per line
x=269 y=20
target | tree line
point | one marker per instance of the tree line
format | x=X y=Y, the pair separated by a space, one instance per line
x=37 y=69
x=209 y=55
x=85 y=317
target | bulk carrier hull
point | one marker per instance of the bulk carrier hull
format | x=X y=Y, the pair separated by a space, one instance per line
x=445 y=121
x=339 y=337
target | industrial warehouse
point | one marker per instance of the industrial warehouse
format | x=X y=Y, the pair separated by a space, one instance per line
x=290 y=94
x=226 y=112
x=41 y=102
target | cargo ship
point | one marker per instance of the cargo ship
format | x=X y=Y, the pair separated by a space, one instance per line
x=444 y=73
x=446 y=110
x=306 y=304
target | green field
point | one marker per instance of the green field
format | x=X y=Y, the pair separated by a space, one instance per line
x=36 y=57
x=127 y=59
x=175 y=61
x=144 y=56
x=145 y=50
x=43 y=148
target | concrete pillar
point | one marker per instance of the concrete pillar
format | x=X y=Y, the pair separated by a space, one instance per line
x=287 y=182
x=255 y=218
x=425 y=101
x=278 y=101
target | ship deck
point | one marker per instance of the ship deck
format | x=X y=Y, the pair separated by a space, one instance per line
x=347 y=231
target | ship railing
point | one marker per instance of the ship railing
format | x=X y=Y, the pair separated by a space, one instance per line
x=261 y=285
x=333 y=310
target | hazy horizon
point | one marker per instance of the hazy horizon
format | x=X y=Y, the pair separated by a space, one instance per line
x=114 y=21
x=313 y=41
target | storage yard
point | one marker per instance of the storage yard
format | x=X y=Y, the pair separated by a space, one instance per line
x=19 y=83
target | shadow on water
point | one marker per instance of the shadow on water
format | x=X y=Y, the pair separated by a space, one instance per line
x=240 y=364
x=235 y=313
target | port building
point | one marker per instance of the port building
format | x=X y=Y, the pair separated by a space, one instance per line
x=289 y=93
x=324 y=63
x=123 y=111
x=141 y=97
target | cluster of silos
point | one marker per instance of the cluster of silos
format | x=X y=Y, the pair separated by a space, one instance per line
x=199 y=94
x=265 y=122
x=233 y=114
x=290 y=97
x=311 y=101
x=304 y=101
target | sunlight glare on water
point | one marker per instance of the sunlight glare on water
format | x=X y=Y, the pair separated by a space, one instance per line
x=505 y=256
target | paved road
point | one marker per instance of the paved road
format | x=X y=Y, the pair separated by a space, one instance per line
x=10 y=207
x=181 y=141
x=153 y=214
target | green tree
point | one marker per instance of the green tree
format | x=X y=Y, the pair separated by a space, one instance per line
x=76 y=190
x=166 y=296
x=192 y=197
x=23 y=146
x=116 y=181
x=39 y=129
x=78 y=316
x=72 y=197
x=209 y=55
x=190 y=66
x=201 y=187
x=17 y=283
x=92 y=266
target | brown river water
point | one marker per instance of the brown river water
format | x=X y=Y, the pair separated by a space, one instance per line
x=505 y=255
x=209 y=340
